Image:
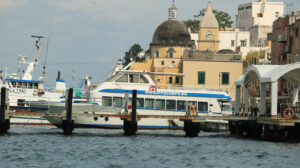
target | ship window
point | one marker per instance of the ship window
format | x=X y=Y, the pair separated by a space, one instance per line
x=123 y=78
x=202 y=106
x=149 y=103
x=181 y=105
x=106 y=101
x=144 y=79
x=13 y=84
x=117 y=101
x=171 y=104
x=134 y=78
x=17 y=85
x=30 y=86
x=21 y=102
x=160 y=104
x=36 y=85
x=139 y=102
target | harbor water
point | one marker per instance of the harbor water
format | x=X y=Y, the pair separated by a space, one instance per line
x=45 y=146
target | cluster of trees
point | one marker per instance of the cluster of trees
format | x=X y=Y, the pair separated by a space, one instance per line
x=223 y=18
x=132 y=54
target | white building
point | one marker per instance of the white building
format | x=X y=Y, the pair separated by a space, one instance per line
x=260 y=13
x=235 y=40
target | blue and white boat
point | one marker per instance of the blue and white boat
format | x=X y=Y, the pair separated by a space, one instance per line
x=151 y=100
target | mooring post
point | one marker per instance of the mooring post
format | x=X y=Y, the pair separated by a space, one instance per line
x=4 y=123
x=68 y=123
x=191 y=128
x=130 y=126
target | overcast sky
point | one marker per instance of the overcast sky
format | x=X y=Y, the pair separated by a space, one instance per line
x=88 y=36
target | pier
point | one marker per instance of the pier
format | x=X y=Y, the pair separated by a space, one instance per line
x=240 y=123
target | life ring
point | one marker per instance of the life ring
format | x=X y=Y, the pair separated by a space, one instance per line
x=288 y=113
x=153 y=88
x=40 y=92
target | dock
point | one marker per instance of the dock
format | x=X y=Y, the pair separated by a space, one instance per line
x=240 y=124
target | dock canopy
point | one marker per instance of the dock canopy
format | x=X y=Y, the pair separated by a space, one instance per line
x=268 y=74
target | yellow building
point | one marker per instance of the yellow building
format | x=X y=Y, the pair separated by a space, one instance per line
x=170 y=40
x=216 y=71
x=173 y=53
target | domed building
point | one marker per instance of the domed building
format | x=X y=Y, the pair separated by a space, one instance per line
x=175 y=61
x=170 y=39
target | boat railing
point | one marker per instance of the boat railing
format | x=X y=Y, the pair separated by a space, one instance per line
x=25 y=101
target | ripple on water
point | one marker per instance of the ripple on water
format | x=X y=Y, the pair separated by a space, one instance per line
x=42 y=147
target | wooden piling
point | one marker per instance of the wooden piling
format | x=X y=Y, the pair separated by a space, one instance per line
x=68 y=123
x=191 y=128
x=130 y=126
x=4 y=123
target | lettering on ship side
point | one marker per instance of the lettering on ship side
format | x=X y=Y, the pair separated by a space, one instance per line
x=18 y=91
x=166 y=93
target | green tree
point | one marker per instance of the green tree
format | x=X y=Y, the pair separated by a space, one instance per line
x=223 y=18
x=132 y=54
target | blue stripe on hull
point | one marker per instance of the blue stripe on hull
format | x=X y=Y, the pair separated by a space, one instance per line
x=166 y=93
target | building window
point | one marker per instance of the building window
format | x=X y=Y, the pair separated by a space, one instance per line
x=243 y=43
x=157 y=53
x=173 y=62
x=171 y=52
x=170 y=80
x=162 y=62
x=296 y=32
x=225 y=78
x=201 y=77
x=177 y=80
x=232 y=43
x=276 y=14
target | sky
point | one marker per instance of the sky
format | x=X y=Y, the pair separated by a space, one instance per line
x=87 y=37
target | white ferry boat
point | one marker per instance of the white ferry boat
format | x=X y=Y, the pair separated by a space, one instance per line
x=150 y=101
x=23 y=89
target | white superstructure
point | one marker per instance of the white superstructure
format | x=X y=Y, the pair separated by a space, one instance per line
x=150 y=101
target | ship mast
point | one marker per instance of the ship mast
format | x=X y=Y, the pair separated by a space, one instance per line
x=31 y=65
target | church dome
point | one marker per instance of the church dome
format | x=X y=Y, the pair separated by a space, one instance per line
x=172 y=33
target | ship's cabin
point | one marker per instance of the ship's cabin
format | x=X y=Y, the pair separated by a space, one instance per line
x=131 y=77
x=24 y=84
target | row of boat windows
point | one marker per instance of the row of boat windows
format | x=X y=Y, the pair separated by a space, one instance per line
x=131 y=78
x=28 y=85
x=156 y=103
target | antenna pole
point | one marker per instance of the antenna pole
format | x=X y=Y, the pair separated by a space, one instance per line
x=37 y=45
